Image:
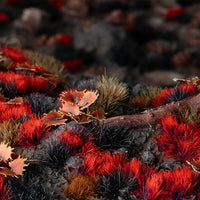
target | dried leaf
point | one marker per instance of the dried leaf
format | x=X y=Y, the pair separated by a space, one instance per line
x=11 y=163
x=195 y=164
x=71 y=108
x=71 y=96
x=5 y=152
x=17 y=165
x=88 y=99
x=195 y=80
x=84 y=118
x=73 y=100
x=54 y=118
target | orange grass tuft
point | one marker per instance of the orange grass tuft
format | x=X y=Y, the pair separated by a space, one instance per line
x=82 y=187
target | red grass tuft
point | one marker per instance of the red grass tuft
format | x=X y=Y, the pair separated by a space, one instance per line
x=25 y=84
x=13 y=53
x=140 y=173
x=171 y=14
x=16 y=112
x=65 y=39
x=181 y=183
x=178 y=93
x=89 y=147
x=152 y=185
x=72 y=139
x=77 y=141
x=57 y=3
x=73 y=65
x=32 y=132
x=4 y=18
x=102 y=163
x=178 y=140
x=177 y=184
x=155 y=187
x=134 y=167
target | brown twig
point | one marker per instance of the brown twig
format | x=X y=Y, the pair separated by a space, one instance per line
x=151 y=117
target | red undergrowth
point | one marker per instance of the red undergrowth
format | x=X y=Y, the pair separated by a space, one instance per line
x=25 y=84
x=13 y=53
x=101 y=163
x=171 y=14
x=32 y=132
x=65 y=39
x=178 y=93
x=151 y=185
x=178 y=140
x=77 y=141
x=16 y=112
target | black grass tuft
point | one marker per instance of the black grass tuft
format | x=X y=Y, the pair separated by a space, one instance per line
x=56 y=154
x=33 y=191
x=9 y=90
x=116 y=185
x=178 y=94
x=113 y=139
x=41 y=104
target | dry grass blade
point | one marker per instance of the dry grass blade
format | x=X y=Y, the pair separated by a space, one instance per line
x=51 y=64
x=82 y=187
x=112 y=95
x=9 y=130
x=189 y=115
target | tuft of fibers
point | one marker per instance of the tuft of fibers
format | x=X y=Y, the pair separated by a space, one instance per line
x=112 y=95
x=82 y=187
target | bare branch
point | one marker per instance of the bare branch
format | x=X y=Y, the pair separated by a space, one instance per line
x=151 y=117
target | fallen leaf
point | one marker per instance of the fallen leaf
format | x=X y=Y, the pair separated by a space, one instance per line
x=17 y=165
x=54 y=118
x=71 y=108
x=88 y=99
x=72 y=101
x=71 y=96
x=5 y=152
x=195 y=80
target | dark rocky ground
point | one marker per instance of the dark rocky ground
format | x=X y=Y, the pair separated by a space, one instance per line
x=141 y=42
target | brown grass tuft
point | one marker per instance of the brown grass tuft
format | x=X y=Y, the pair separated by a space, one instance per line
x=82 y=187
x=189 y=115
x=9 y=130
x=112 y=94
x=47 y=62
x=144 y=101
